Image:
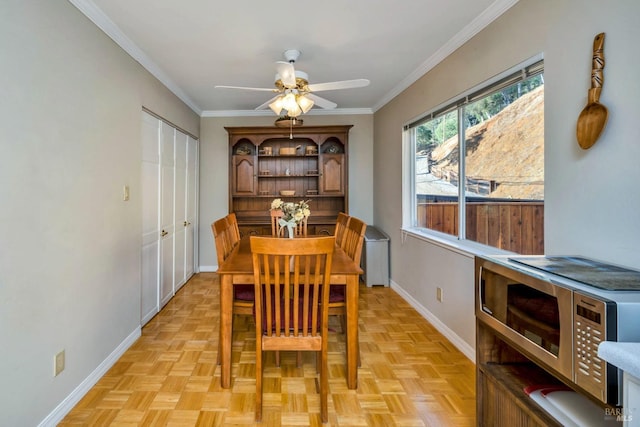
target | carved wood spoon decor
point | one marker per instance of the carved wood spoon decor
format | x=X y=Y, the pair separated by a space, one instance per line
x=593 y=117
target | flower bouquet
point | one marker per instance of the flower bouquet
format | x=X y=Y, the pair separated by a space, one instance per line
x=292 y=213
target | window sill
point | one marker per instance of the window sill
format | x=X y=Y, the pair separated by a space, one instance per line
x=466 y=248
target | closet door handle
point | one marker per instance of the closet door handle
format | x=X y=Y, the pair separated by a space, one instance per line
x=163 y=233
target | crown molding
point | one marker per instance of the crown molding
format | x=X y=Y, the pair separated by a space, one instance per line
x=480 y=22
x=261 y=113
x=91 y=11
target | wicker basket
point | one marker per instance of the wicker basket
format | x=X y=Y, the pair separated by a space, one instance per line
x=288 y=151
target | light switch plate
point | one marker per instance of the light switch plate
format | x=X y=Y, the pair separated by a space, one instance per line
x=58 y=363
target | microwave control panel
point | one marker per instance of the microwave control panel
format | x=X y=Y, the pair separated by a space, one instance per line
x=589 y=329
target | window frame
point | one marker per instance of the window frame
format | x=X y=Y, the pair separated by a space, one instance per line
x=522 y=71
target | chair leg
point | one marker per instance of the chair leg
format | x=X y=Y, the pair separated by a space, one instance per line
x=258 y=385
x=324 y=386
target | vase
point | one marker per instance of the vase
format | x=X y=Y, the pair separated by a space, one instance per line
x=289 y=225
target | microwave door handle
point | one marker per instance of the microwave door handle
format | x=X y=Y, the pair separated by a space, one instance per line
x=480 y=295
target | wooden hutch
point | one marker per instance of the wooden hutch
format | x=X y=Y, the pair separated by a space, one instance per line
x=310 y=161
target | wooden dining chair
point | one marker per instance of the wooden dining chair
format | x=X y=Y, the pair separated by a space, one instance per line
x=352 y=243
x=242 y=294
x=227 y=237
x=232 y=220
x=222 y=239
x=353 y=238
x=279 y=231
x=291 y=311
x=341 y=224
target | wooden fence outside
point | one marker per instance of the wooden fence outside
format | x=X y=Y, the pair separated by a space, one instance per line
x=512 y=226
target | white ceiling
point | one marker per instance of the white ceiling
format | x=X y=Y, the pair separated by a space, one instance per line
x=193 y=45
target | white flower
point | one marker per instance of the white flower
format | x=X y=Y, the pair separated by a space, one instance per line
x=295 y=212
x=276 y=204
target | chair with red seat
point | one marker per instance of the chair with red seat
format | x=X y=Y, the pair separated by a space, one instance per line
x=227 y=236
x=291 y=313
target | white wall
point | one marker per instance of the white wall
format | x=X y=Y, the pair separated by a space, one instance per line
x=70 y=111
x=591 y=197
x=70 y=251
x=214 y=170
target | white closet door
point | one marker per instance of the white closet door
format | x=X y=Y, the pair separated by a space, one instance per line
x=149 y=295
x=180 y=220
x=167 y=229
x=191 y=205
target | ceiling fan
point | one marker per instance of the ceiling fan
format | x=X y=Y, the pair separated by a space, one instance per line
x=295 y=94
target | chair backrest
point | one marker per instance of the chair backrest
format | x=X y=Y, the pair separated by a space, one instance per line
x=279 y=231
x=275 y=217
x=291 y=297
x=224 y=237
x=341 y=225
x=233 y=228
x=353 y=238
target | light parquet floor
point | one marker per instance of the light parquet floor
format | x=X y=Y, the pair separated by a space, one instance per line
x=410 y=376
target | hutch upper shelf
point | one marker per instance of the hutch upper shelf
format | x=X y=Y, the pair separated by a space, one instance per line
x=301 y=163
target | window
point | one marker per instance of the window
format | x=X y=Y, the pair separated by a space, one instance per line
x=478 y=164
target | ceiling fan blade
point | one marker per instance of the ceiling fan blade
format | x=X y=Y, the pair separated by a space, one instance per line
x=321 y=102
x=266 y=104
x=262 y=89
x=287 y=73
x=345 y=84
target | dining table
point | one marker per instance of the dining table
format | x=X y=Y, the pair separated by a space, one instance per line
x=237 y=269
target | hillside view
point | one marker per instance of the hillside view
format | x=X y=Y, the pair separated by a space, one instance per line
x=507 y=149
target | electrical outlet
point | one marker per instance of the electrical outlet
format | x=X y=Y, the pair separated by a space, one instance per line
x=125 y=193
x=58 y=363
x=439 y=294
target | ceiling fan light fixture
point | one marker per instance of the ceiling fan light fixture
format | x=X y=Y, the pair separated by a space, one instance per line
x=295 y=111
x=289 y=101
x=305 y=103
x=293 y=91
x=276 y=106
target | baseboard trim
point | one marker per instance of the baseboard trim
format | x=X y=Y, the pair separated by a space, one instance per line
x=72 y=400
x=208 y=268
x=455 y=339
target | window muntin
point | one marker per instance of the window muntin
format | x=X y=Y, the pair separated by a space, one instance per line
x=493 y=193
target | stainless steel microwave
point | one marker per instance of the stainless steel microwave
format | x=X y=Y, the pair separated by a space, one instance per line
x=557 y=310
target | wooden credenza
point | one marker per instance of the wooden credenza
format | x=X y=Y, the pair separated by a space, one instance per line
x=312 y=161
